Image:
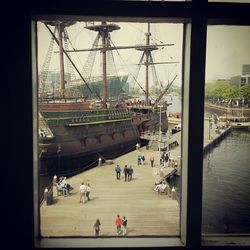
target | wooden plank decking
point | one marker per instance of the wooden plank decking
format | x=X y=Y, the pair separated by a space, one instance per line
x=148 y=213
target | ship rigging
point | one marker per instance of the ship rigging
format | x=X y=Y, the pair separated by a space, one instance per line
x=83 y=133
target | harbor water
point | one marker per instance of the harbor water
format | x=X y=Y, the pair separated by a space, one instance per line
x=226 y=192
x=226 y=181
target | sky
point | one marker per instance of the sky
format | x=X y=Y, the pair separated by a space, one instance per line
x=125 y=60
x=228 y=47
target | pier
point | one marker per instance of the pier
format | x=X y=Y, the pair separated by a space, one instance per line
x=148 y=213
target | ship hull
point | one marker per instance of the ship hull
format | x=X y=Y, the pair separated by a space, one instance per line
x=73 y=164
x=77 y=146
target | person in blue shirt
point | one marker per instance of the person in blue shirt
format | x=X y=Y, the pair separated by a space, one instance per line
x=118 y=172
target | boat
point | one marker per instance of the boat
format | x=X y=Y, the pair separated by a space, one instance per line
x=74 y=134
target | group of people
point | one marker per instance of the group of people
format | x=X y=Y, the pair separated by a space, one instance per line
x=127 y=171
x=140 y=159
x=120 y=223
x=164 y=159
x=160 y=186
x=84 y=192
x=63 y=186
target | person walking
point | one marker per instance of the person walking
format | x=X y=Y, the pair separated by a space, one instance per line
x=130 y=173
x=166 y=157
x=143 y=159
x=88 y=192
x=152 y=158
x=97 y=227
x=118 y=172
x=118 y=223
x=82 y=191
x=125 y=171
x=138 y=159
x=124 y=225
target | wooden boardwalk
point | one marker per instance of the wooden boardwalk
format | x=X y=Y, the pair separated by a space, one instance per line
x=148 y=213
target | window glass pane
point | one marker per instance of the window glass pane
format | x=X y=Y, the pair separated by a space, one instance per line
x=84 y=138
x=226 y=207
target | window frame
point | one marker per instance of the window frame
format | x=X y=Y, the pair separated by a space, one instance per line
x=195 y=15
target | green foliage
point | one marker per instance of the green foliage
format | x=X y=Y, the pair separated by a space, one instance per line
x=245 y=92
x=224 y=90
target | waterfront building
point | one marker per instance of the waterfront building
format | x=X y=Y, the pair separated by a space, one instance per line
x=242 y=79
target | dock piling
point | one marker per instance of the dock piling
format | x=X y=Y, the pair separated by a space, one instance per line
x=99 y=161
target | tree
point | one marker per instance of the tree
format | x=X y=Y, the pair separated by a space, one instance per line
x=230 y=92
x=223 y=91
x=245 y=92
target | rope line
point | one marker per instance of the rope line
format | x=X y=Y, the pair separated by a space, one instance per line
x=74 y=65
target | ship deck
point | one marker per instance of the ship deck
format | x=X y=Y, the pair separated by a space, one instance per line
x=148 y=213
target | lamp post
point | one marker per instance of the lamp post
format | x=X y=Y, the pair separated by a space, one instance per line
x=59 y=155
x=160 y=106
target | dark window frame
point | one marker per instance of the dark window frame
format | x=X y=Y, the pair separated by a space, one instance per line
x=196 y=15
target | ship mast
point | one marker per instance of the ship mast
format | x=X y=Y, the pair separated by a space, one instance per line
x=104 y=30
x=104 y=35
x=148 y=34
x=60 y=28
x=148 y=60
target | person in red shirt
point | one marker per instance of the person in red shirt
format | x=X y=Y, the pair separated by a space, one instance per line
x=152 y=158
x=118 y=223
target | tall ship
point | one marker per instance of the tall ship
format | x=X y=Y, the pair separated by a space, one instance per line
x=78 y=130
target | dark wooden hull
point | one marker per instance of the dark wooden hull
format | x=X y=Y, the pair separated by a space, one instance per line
x=77 y=146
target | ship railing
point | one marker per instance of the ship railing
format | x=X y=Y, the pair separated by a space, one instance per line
x=61 y=99
x=44 y=130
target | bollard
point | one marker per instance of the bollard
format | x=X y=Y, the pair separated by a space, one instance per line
x=173 y=194
x=45 y=192
x=46 y=195
x=99 y=162
x=54 y=179
x=54 y=184
x=137 y=146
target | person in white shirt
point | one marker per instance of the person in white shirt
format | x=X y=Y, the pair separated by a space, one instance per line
x=124 y=225
x=64 y=186
x=82 y=191
x=88 y=191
